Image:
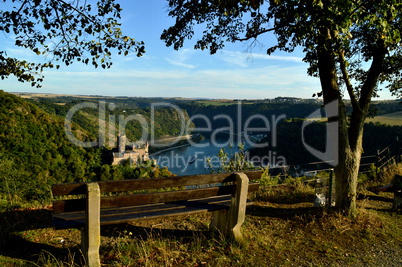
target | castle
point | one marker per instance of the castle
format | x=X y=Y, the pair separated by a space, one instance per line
x=135 y=153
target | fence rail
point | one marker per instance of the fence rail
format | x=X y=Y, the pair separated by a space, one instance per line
x=369 y=163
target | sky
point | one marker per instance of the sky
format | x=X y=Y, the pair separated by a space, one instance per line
x=239 y=71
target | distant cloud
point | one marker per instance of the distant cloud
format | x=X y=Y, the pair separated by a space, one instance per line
x=180 y=64
x=236 y=58
x=275 y=57
x=21 y=53
x=244 y=59
x=116 y=75
x=267 y=81
x=179 y=58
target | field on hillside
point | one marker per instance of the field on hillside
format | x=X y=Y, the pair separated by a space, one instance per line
x=393 y=119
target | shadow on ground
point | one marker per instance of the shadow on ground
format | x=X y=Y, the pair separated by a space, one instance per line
x=283 y=213
x=143 y=232
x=15 y=242
x=375 y=198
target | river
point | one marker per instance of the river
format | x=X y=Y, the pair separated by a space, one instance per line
x=190 y=160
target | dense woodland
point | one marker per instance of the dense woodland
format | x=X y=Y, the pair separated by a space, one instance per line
x=35 y=152
x=167 y=122
x=290 y=146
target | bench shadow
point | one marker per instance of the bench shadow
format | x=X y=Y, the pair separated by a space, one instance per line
x=19 y=248
x=283 y=213
x=24 y=220
x=145 y=232
x=14 y=245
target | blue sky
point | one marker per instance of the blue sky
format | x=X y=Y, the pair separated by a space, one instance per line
x=236 y=72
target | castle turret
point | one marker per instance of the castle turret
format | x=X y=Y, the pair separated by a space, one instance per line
x=121 y=143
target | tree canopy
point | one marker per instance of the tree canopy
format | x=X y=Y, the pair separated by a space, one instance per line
x=354 y=31
x=352 y=46
x=62 y=31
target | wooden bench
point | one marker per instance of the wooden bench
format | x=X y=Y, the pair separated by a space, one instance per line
x=115 y=202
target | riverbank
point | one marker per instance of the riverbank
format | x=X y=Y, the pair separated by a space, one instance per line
x=162 y=145
x=167 y=149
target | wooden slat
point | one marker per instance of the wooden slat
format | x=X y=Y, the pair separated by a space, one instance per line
x=141 y=208
x=253 y=187
x=160 y=214
x=125 y=218
x=131 y=209
x=59 y=224
x=253 y=175
x=155 y=183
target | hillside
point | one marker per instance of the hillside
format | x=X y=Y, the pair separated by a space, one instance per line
x=394 y=118
x=140 y=117
x=295 y=152
x=34 y=152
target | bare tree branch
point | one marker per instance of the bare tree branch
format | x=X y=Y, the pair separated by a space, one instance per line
x=255 y=35
x=346 y=78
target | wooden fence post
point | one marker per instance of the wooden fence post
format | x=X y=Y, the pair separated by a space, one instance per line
x=331 y=173
x=377 y=163
x=90 y=235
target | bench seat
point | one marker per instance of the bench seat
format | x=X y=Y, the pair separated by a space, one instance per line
x=66 y=220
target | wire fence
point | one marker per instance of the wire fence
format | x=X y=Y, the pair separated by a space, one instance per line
x=322 y=172
x=369 y=164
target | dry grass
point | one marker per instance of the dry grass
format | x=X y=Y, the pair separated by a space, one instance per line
x=393 y=119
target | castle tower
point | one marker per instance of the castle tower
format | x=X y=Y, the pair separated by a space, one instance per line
x=121 y=143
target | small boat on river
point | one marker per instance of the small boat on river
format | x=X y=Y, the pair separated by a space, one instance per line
x=192 y=159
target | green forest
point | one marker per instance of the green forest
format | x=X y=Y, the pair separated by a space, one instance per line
x=290 y=144
x=166 y=120
x=35 y=152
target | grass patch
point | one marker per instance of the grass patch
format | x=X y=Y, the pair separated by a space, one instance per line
x=393 y=119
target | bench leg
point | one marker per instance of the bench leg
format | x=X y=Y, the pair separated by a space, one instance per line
x=397 y=205
x=90 y=235
x=229 y=222
x=219 y=222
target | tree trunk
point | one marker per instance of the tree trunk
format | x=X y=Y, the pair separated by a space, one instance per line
x=350 y=133
x=350 y=148
x=349 y=139
x=346 y=182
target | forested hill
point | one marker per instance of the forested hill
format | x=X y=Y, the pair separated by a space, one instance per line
x=240 y=112
x=289 y=141
x=34 y=151
x=159 y=121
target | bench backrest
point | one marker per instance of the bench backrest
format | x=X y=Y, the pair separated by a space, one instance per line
x=209 y=185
